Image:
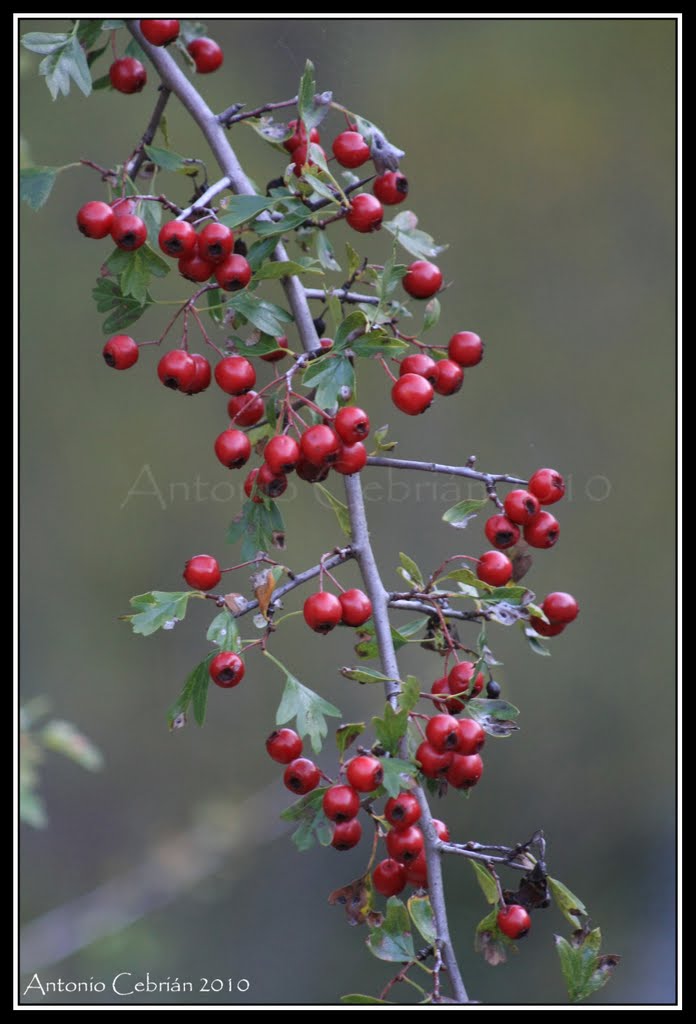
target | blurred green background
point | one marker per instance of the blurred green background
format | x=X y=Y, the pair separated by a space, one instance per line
x=543 y=152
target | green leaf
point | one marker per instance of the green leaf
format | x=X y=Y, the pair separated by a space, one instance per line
x=410 y=693
x=305 y=93
x=490 y=941
x=325 y=252
x=422 y=915
x=281 y=227
x=101 y=83
x=378 y=343
x=269 y=318
x=66 y=739
x=258 y=526
x=135 y=269
x=329 y=375
x=390 y=728
x=369 y=648
x=214 y=300
x=338 y=507
x=260 y=251
x=495 y=716
x=572 y=908
x=35 y=184
x=158 y=609
x=134 y=49
x=88 y=31
x=355 y=260
x=392 y=939
x=355 y=322
x=272 y=270
x=431 y=314
x=486 y=881
x=64 y=63
x=112 y=24
x=125 y=310
x=44 y=42
x=347 y=734
x=536 y=644
x=394 y=770
x=165 y=159
x=411 y=573
x=308 y=708
x=195 y=691
x=355 y=998
x=365 y=675
x=408 y=234
x=461 y=513
x=584 y=970
x=313 y=825
x=390 y=277
x=241 y=209
x=224 y=632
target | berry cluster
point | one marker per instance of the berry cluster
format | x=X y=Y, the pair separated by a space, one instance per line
x=128 y=75
x=421 y=377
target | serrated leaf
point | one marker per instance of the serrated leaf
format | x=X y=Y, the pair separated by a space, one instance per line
x=461 y=513
x=329 y=375
x=309 y=710
x=412 y=570
x=88 y=31
x=269 y=318
x=390 y=277
x=421 y=912
x=44 y=42
x=166 y=159
x=325 y=252
x=338 y=507
x=390 y=728
x=135 y=269
x=260 y=251
x=195 y=691
x=585 y=972
x=411 y=237
x=378 y=343
x=486 y=881
x=313 y=825
x=224 y=632
x=395 y=768
x=355 y=260
x=125 y=310
x=355 y=998
x=36 y=183
x=272 y=270
x=63 y=63
x=257 y=527
x=365 y=675
x=369 y=648
x=158 y=609
x=392 y=939
x=572 y=908
x=347 y=734
x=354 y=323
x=410 y=693
x=241 y=209
x=431 y=314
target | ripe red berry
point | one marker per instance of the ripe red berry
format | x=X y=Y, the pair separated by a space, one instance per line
x=520 y=506
x=542 y=530
x=282 y=453
x=269 y=483
x=404 y=844
x=421 y=364
x=546 y=628
x=284 y=745
x=215 y=242
x=233 y=273
x=279 y=353
x=226 y=669
x=389 y=877
x=176 y=370
x=310 y=473
x=202 y=572
x=422 y=279
x=352 y=459
x=402 y=811
x=251 y=488
x=560 y=607
x=120 y=352
x=449 y=377
x=352 y=424
x=202 y=377
x=196 y=269
x=245 y=410
x=95 y=219
x=443 y=833
x=326 y=343
x=178 y=238
x=300 y=135
x=346 y=835
x=471 y=737
x=412 y=394
x=417 y=871
x=128 y=232
x=514 y=921
x=547 y=485
x=301 y=776
x=495 y=568
x=501 y=532
x=465 y=348
x=322 y=611
x=320 y=445
x=123 y=205
x=350 y=149
x=356 y=607
x=232 y=448
x=443 y=733
x=434 y=763
x=206 y=54
x=459 y=682
x=391 y=188
x=127 y=75
x=465 y=771
x=366 y=213
x=340 y=803
x=235 y=375
x=364 y=773
x=159 y=32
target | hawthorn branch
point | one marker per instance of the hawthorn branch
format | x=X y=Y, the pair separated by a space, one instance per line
x=489 y=480
x=234 y=113
x=136 y=161
x=414 y=605
x=324 y=293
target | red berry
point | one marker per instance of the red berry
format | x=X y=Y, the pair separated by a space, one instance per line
x=326 y=343
x=459 y=682
x=176 y=370
x=127 y=75
x=233 y=273
x=422 y=279
x=412 y=394
x=232 y=448
x=202 y=572
x=402 y=811
x=322 y=611
x=471 y=736
x=352 y=424
x=443 y=733
x=346 y=835
x=417 y=871
x=405 y=844
x=282 y=453
x=279 y=353
x=547 y=485
x=269 y=483
x=178 y=238
x=441 y=686
x=300 y=135
x=495 y=568
x=365 y=214
x=514 y=921
x=196 y=269
x=352 y=459
x=251 y=489
x=465 y=771
x=546 y=628
x=310 y=473
x=364 y=773
x=235 y=375
x=340 y=803
x=201 y=380
x=520 y=506
x=542 y=530
x=391 y=188
x=560 y=607
x=226 y=669
x=207 y=56
x=434 y=763
x=320 y=445
x=356 y=607
x=350 y=149
x=284 y=745
x=123 y=205
x=421 y=364
x=389 y=877
x=245 y=410
x=465 y=348
x=301 y=776
x=215 y=242
x=128 y=232
x=449 y=377
x=501 y=532
x=159 y=32
x=443 y=833
x=95 y=219
x=120 y=352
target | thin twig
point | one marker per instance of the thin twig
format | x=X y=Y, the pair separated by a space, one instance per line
x=136 y=161
x=232 y=115
x=487 y=479
x=323 y=294
x=204 y=199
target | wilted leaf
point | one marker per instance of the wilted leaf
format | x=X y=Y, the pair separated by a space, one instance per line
x=347 y=734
